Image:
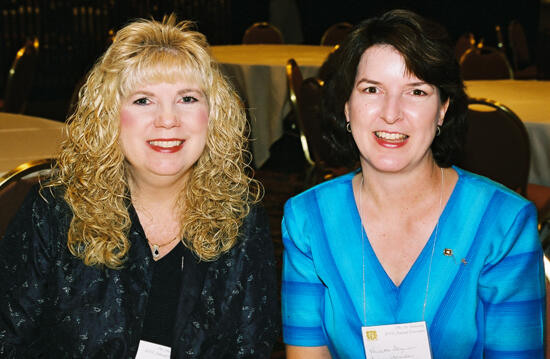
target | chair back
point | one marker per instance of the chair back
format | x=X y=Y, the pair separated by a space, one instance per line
x=294 y=81
x=485 y=63
x=497 y=145
x=500 y=39
x=310 y=116
x=463 y=43
x=336 y=33
x=518 y=45
x=20 y=78
x=262 y=33
x=15 y=185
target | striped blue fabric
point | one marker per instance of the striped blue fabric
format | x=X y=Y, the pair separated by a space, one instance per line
x=487 y=300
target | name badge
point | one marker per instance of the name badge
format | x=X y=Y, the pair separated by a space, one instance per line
x=148 y=350
x=406 y=340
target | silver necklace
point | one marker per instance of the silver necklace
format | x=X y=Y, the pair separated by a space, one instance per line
x=431 y=257
x=155 y=248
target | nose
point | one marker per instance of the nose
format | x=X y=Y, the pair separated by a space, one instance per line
x=391 y=108
x=167 y=118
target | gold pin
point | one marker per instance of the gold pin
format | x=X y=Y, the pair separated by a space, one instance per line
x=464 y=261
x=448 y=252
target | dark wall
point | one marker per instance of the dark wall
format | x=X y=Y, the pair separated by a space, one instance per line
x=479 y=17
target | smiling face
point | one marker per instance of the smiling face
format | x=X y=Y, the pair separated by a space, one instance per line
x=393 y=114
x=163 y=129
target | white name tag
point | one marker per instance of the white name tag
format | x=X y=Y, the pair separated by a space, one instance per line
x=397 y=341
x=148 y=350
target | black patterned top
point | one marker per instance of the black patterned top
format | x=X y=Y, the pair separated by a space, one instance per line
x=52 y=305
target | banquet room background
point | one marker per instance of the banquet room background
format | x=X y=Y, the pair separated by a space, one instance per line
x=72 y=33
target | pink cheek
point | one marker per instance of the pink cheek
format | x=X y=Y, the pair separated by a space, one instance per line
x=126 y=119
x=202 y=120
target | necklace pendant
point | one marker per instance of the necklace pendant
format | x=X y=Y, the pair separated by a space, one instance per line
x=156 y=251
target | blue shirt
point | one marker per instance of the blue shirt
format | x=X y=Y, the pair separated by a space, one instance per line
x=487 y=299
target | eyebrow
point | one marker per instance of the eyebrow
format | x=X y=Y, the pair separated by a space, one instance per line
x=416 y=83
x=179 y=92
x=191 y=90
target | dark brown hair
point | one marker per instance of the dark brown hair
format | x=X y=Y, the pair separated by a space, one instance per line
x=428 y=54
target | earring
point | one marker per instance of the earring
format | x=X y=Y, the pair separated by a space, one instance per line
x=348 y=127
x=438 y=131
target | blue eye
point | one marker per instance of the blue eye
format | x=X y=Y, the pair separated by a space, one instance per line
x=189 y=99
x=142 y=101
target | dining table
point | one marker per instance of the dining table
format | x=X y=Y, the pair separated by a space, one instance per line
x=530 y=101
x=258 y=74
x=24 y=138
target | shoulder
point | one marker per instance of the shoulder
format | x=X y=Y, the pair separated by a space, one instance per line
x=38 y=232
x=254 y=236
x=502 y=217
x=44 y=215
x=495 y=194
x=42 y=204
x=329 y=191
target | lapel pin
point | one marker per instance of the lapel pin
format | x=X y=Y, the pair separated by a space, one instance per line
x=448 y=252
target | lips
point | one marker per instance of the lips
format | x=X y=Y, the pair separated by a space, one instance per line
x=390 y=139
x=166 y=145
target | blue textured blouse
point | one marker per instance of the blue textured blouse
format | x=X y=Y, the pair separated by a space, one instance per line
x=486 y=300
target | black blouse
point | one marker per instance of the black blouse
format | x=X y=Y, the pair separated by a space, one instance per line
x=159 y=321
x=52 y=305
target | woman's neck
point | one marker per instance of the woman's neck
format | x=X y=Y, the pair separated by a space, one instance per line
x=403 y=190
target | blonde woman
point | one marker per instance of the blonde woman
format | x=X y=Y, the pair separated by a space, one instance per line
x=149 y=236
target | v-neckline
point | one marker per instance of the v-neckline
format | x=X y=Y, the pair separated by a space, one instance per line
x=424 y=254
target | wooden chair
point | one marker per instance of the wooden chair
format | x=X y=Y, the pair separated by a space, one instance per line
x=485 y=63
x=336 y=33
x=262 y=33
x=14 y=186
x=497 y=145
x=20 y=78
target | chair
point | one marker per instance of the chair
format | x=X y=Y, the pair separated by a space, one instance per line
x=262 y=33
x=485 y=63
x=523 y=66
x=294 y=82
x=464 y=42
x=500 y=39
x=497 y=145
x=20 y=78
x=305 y=98
x=14 y=186
x=336 y=33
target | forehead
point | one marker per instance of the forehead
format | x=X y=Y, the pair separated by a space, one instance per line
x=157 y=86
x=383 y=60
x=165 y=70
x=162 y=85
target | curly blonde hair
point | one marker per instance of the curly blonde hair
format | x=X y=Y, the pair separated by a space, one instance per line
x=93 y=170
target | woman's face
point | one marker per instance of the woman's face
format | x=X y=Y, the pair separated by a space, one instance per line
x=393 y=114
x=163 y=129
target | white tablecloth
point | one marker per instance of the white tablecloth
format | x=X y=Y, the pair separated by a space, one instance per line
x=25 y=138
x=530 y=100
x=258 y=74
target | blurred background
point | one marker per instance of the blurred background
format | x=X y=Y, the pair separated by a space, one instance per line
x=73 y=33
